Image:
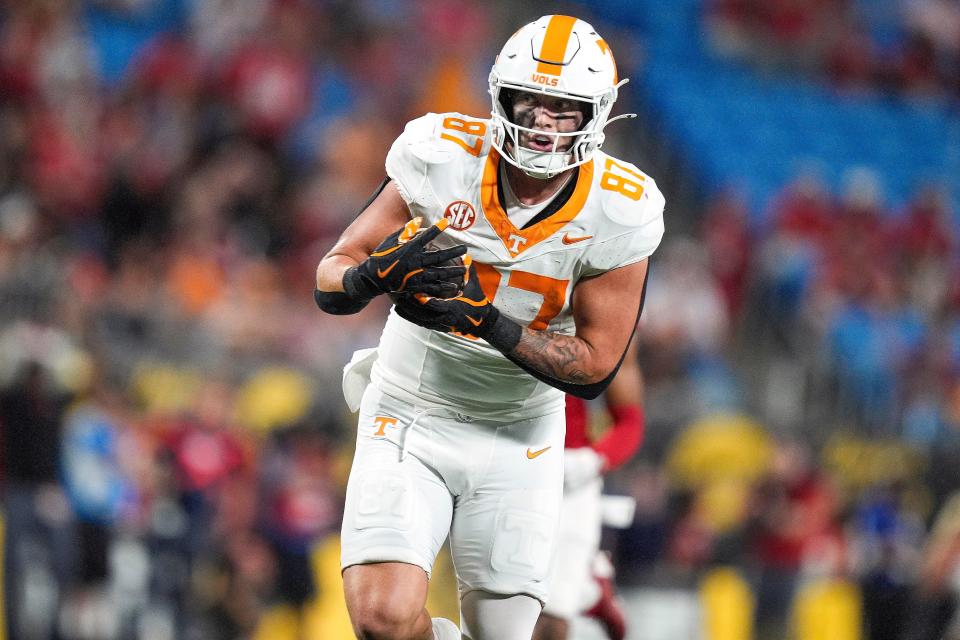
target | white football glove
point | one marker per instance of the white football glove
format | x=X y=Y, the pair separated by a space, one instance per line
x=580 y=466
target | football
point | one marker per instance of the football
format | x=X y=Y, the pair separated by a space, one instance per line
x=438 y=243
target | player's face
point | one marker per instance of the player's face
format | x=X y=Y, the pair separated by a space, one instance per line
x=548 y=114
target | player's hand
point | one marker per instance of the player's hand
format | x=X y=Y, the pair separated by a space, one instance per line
x=581 y=465
x=402 y=263
x=470 y=313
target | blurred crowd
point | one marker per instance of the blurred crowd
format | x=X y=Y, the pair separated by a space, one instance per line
x=172 y=435
x=834 y=323
x=172 y=432
x=905 y=46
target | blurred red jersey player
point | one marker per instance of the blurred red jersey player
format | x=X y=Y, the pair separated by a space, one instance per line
x=581 y=577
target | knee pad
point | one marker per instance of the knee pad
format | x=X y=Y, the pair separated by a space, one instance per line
x=492 y=616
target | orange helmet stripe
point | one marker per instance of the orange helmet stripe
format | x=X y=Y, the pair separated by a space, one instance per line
x=554 y=47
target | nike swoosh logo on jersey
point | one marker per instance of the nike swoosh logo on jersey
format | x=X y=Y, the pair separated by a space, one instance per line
x=568 y=239
x=533 y=454
x=383 y=273
x=475 y=323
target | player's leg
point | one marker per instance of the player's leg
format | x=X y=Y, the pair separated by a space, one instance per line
x=488 y=616
x=550 y=627
x=386 y=600
x=608 y=609
x=572 y=588
x=504 y=526
x=396 y=517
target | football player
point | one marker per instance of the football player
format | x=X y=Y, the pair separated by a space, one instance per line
x=461 y=426
x=575 y=587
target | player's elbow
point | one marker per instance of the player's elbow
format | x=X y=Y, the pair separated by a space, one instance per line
x=591 y=387
x=595 y=378
x=603 y=367
x=586 y=391
x=330 y=273
x=592 y=377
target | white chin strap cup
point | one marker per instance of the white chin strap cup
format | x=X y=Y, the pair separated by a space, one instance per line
x=542 y=164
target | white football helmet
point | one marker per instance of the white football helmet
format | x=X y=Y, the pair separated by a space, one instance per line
x=556 y=56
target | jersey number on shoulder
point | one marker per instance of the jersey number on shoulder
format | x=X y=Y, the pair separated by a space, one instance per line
x=465 y=128
x=622 y=180
x=554 y=291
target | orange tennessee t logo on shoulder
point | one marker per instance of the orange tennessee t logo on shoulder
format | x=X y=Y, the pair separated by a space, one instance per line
x=382 y=423
x=533 y=454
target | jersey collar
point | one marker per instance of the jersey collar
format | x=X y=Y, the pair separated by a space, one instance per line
x=515 y=240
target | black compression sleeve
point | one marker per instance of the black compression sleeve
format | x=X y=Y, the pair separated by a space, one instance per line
x=358 y=287
x=503 y=333
x=585 y=391
x=338 y=303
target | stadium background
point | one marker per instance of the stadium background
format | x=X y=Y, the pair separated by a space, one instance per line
x=174 y=444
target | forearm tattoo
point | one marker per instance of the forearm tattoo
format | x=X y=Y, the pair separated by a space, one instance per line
x=553 y=354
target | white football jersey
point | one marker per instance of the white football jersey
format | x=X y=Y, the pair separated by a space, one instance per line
x=444 y=166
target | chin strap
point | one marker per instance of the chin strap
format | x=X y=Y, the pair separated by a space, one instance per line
x=530 y=157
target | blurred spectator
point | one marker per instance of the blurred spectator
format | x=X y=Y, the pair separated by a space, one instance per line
x=886 y=539
x=729 y=248
x=926 y=232
x=793 y=517
x=38 y=535
x=862 y=45
x=685 y=310
x=207 y=456
x=937 y=589
x=119 y=29
x=453 y=84
x=713 y=465
x=851 y=62
x=915 y=70
x=300 y=505
x=268 y=76
x=874 y=339
x=792 y=256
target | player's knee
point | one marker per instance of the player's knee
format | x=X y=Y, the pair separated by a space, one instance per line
x=384 y=621
x=386 y=600
x=550 y=627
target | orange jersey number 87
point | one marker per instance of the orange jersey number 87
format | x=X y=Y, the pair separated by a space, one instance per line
x=622 y=181
x=466 y=128
x=554 y=291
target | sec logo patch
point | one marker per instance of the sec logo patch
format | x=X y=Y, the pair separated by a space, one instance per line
x=460 y=214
